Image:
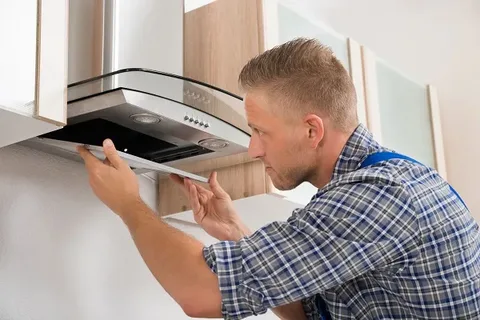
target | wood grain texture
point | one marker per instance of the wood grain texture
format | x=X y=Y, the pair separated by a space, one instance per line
x=239 y=181
x=217 y=163
x=219 y=39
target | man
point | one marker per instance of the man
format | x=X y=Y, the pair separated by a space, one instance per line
x=384 y=238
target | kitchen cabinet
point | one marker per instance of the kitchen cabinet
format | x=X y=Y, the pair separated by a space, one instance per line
x=403 y=113
x=33 y=60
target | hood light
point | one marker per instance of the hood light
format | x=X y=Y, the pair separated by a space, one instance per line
x=145 y=118
x=213 y=143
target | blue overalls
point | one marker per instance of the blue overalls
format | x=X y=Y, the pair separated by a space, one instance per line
x=371 y=160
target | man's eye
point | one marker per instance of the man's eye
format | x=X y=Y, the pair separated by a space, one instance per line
x=259 y=132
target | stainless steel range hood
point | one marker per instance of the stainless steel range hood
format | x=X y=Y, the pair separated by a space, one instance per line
x=156 y=116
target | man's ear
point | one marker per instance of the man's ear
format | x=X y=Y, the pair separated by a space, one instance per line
x=316 y=129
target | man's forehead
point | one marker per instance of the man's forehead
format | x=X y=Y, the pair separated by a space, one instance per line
x=255 y=101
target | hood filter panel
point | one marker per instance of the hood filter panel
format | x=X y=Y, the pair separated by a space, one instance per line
x=94 y=132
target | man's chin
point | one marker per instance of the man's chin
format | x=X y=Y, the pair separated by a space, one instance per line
x=281 y=186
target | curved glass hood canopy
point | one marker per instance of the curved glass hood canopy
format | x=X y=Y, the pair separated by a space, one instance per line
x=217 y=102
x=154 y=116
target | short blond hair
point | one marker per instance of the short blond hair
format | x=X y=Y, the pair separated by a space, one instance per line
x=305 y=74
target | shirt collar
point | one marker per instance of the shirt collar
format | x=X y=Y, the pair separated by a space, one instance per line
x=358 y=146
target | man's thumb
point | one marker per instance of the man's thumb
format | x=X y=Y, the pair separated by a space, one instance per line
x=112 y=154
x=215 y=186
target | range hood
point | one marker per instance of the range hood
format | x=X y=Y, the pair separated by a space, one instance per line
x=157 y=118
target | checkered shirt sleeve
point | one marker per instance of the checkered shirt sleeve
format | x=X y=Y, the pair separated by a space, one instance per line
x=345 y=231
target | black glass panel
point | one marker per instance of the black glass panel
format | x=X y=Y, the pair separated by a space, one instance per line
x=94 y=131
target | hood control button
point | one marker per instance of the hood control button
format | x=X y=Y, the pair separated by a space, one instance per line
x=196 y=121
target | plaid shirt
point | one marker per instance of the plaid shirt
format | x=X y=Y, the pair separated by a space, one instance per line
x=389 y=241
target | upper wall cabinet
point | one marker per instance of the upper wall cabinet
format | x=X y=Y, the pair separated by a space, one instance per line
x=403 y=114
x=33 y=64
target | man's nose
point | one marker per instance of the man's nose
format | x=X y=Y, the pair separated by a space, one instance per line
x=255 y=148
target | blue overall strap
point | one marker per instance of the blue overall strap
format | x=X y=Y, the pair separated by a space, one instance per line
x=385 y=155
x=322 y=308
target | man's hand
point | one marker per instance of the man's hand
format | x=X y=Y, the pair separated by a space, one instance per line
x=112 y=180
x=213 y=210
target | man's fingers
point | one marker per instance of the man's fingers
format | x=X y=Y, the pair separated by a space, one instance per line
x=216 y=188
x=185 y=183
x=203 y=196
x=112 y=155
x=107 y=162
x=87 y=157
x=177 y=179
x=194 y=197
x=203 y=191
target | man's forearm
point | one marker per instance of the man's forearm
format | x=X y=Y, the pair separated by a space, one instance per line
x=291 y=311
x=176 y=261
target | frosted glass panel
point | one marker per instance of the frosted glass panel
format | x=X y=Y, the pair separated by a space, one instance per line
x=291 y=25
x=404 y=115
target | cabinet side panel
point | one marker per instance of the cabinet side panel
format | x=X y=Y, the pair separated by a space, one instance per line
x=52 y=61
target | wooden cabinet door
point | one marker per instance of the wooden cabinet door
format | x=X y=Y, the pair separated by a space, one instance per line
x=219 y=39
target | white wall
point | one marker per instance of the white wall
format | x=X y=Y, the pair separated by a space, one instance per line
x=63 y=254
x=434 y=41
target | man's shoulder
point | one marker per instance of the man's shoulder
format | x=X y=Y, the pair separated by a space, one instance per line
x=373 y=206
x=376 y=176
x=383 y=184
x=360 y=189
x=394 y=184
x=392 y=172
